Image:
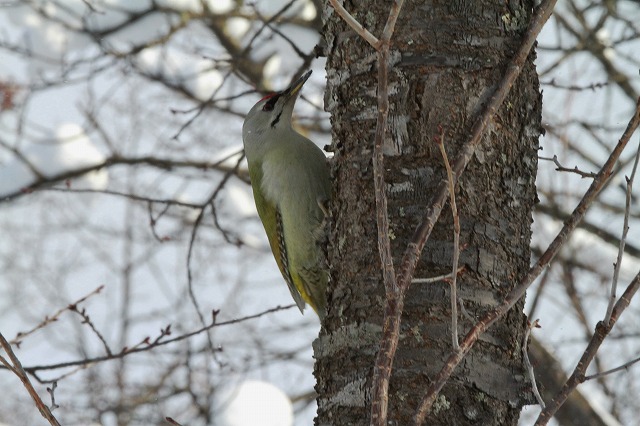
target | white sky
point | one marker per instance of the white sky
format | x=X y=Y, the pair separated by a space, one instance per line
x=54 y=141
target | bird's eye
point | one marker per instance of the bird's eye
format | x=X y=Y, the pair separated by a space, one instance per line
x=271 y=102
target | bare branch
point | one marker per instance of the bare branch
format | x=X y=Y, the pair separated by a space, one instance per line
x=355 y=25
x=87 y=320
x=20 y=336
x=527 y=362
x=147 y=345
x=411 y=256
x=390 y=25
x=22 y=375
x=160 y=163
x=623 y=238
x=436 y=278
x=394 y=301
x=570 y=224
x=51 y=391
x=602 y=331
x=561 y=168
x=456 y=242
x=395 y=290
x=210 y=202
x=574 y=87
x=624 y=366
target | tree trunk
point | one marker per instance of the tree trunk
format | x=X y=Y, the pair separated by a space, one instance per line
x=447 y=59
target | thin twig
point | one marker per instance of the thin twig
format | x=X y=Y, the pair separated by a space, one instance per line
x=561 y=168
x=194 y=232
x=624 y=366
x=268 y=22
x=570 y=224
x=7 y=365
x=153 y=221
x=353 y=23
x=160 y=163
x=225 y=234
x=60 y=377
x=149 y=344
x=592 y=86
x=390 y=25
x=394 y=302
x=527 y=362
x=412 y=254
x=436 y=278
x=51 y=391
x=394 y=298
x=623 y=239
x=22 y=375
x=20 y=336
x=464 y=311
x=602 y=331
x=130 y=196
x=456 y=242
x=87 y=320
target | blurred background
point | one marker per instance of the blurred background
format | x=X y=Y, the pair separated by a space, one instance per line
x=125 y=207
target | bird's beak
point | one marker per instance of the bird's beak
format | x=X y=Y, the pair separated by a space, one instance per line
x=292 y=91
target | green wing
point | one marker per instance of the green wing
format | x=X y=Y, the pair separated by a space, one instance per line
x=272 y=222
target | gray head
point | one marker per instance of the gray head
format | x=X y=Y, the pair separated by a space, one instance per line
x=271 y=114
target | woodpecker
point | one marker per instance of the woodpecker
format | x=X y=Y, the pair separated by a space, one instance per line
x=291 y=187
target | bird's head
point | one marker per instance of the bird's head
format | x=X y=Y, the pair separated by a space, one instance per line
x=271 y=113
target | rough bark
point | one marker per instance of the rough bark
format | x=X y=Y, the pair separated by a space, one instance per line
x=447 y=58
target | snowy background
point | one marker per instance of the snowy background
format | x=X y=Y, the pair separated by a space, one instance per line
x=120 y=134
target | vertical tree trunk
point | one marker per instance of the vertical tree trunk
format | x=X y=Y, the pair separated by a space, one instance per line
x=447 y=58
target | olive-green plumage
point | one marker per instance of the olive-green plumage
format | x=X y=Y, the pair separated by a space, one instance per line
x=290 y=181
